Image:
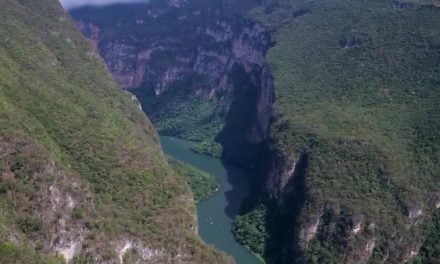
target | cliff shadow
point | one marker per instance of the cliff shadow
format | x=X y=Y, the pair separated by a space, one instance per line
x=239 y=150
x=282 y=217
x=235 y=197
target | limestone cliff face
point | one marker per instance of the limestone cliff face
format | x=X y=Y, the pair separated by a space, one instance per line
x=259 y=130
x=304 y=219
x=302 y=222
x=209 y=54
x=213 y=54
x=153 y=59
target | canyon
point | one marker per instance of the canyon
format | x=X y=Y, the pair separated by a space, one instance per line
x=247 y=81
x=171 y=53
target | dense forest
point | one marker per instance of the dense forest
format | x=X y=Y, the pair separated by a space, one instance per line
x=82 y=176
x=332 y=106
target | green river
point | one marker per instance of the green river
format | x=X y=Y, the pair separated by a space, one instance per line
x=216 y=214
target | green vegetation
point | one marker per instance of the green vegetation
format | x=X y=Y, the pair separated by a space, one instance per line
x=13 y=254
x=357 y=89
x=75 y=148
x=30 y=224
x=185 y=106
x=357 y=92
x=430 y=251
x=178 y=113
x=250 y=230
x=202 y=184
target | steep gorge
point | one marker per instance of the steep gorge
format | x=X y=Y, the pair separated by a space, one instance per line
x=199 y=73
x=340 y=172
x=369 y=187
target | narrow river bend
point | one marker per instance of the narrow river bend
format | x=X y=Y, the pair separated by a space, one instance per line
x=215 y=215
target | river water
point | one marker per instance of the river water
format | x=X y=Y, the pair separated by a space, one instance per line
x=215 y=215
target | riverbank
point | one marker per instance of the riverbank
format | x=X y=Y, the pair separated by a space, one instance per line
x=216 y=214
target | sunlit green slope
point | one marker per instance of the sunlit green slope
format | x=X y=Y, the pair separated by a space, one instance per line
x=81 y=170
x=358 y=93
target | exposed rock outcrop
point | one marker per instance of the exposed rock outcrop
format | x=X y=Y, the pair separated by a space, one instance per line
x=53 y=207
x=208 y=50
x=213 y=54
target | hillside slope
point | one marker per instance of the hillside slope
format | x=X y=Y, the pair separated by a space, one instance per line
x=82 y=175
x=349 y=171
x=355 y=147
